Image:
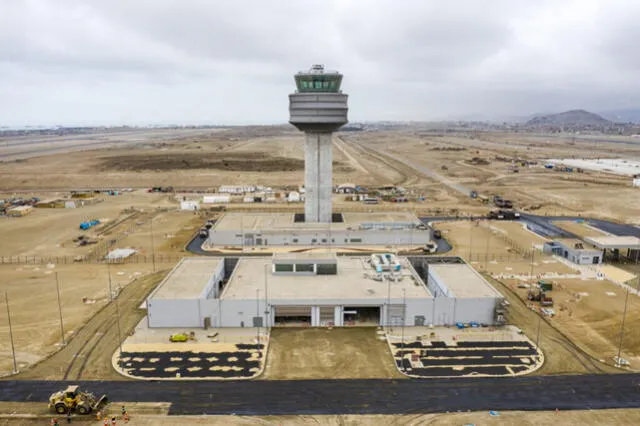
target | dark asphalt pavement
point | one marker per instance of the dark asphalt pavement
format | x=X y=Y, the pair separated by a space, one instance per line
x=370 y=396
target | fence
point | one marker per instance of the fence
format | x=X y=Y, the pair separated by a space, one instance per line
x=68 y=260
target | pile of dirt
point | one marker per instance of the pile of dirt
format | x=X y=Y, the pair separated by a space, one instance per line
x=246 y=162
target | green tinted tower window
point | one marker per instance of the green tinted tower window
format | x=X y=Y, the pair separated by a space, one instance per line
x=318 y=80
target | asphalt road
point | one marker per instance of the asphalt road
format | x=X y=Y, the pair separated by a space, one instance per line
x=370 y=396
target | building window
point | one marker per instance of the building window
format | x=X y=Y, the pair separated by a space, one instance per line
x=327 y=269
x=313 y=241
x=295 y=240
x=356 y=240
x=284 y=267
x=325 y=84
x=324 y=240
x=304 y=267
x=317 y=84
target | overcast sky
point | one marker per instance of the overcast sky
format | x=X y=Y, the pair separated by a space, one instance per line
x=212 y=62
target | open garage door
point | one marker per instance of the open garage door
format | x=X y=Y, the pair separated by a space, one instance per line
x=292 y=316
x=361 y=316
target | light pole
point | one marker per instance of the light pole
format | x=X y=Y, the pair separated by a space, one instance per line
x=60 y=310
x=13 y=350
x=404 y=314
x=624 y=315
x=115 y=299
x=153 y=249
x=266 y=298
x=258 y=316
x=470 y=236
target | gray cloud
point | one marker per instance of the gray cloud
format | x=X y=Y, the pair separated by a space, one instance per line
x=197 y=61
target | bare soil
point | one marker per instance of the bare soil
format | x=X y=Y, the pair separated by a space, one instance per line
x=143 y=414
x=88 y=353
x=320 y=353
x=590 y=313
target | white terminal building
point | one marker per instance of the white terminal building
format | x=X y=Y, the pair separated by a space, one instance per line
x=283 y=229
x=321 y=290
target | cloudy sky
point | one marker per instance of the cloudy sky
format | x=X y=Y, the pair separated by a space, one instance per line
x=84 y=62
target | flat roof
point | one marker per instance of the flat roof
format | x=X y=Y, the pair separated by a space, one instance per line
x=612 y=241
x=353 y=281
x=463 y=280
x=283 y=221
x=571 y=243
x=187 y=279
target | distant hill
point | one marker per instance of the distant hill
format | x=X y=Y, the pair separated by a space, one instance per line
x=578 y=117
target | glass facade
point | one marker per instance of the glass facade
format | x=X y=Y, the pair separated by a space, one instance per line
x=329 y=83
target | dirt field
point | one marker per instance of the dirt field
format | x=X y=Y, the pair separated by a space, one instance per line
x=143 y=414
x=499 y=252
x=34 y=308
x=88 y=354
x=315 y=353
x=590 y=313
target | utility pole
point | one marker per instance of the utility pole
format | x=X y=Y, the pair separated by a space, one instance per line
x=153 y=249
x=258 y=315
x=404 y=315
x=533 y=254
x=119 y=330
x=60 y=310
x=624 y=315
x=13 y=350
x=538 y=333
x=470 y=236
x=266 y=297
x=388 y=301
x=109 y=275
x=486 y=251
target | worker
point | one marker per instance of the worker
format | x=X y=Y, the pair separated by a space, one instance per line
x=113 y=421
x=54 y=422
x=69 y=416
x=106 y=421
x=125 y=417
x=124 y=410
x=98 y=415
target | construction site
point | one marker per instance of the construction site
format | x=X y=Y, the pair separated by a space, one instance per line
x=219 y=255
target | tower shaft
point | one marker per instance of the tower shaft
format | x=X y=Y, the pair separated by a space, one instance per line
x=318 y=160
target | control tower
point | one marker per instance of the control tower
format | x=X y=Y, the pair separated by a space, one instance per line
x=318 y=108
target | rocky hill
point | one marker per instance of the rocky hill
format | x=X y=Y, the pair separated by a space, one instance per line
x=573 y=118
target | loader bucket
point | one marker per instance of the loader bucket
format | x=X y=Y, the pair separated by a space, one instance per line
x=102 y=401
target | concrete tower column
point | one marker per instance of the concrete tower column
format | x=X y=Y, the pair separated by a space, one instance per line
x=318 y=161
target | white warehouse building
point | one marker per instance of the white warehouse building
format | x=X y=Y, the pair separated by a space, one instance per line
x=320 y=289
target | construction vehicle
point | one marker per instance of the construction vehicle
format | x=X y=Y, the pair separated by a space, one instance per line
x=74 y=399
x=431 y=247
x=504 y=215
x=182 y=337
x=536 y=294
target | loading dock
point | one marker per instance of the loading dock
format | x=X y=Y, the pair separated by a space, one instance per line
x=361 y=315
x=292 y=316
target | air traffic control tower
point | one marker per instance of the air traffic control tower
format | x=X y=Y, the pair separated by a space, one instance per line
x=318 y=108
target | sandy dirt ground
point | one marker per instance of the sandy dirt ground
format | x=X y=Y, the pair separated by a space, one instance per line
x=49 y=232
x=88 y=355
x=590 y=313
x=561 y=355
x=320 y=353
x=499 y=252
x=34 y=309
x=143 y=414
